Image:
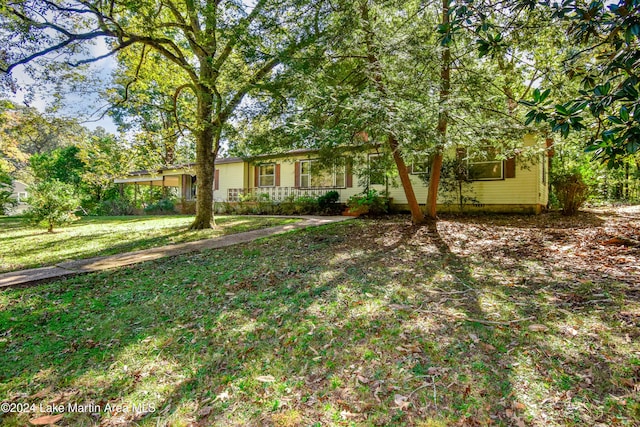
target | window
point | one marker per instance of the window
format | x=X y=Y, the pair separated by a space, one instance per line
x=377 y=175
x=313 y=175
x=420 y=167
x=267 y=175
x=484 y=164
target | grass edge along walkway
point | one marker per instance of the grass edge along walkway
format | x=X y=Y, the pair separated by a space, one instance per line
x=71 y=268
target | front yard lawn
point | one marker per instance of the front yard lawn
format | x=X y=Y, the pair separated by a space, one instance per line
x=508 y=321
x=22 y=246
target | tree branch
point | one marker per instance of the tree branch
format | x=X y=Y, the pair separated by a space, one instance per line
x=61 y=45
x=176 y=94
x=242 y=25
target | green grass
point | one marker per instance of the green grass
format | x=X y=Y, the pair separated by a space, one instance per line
x=23 y=246
x=363 y=323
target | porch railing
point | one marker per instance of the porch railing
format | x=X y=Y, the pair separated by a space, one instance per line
x=275 y=194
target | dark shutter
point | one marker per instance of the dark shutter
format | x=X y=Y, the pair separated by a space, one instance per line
x=256 y=174
x=278 y=175
x=216 y=179
x=349 y=172
x=297 y=175
x=510 y=168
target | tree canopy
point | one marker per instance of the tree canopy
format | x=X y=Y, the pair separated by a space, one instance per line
x=593 y=84
x=222 y=49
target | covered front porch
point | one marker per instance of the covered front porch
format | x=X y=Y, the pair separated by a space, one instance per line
x=148 y=188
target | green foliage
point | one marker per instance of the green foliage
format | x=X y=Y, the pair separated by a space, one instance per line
x=369 y=202
x=6 y=192
x=193 y=62
x=24 y=131
x=571 y=191
x=306 y=205
x=607 y=36
x=105 y=158
x=61 y=164
x=150 y=111
x=52 y=203
x=606 y=185
x=115 y=207
x=328 y=203
x=261 y=204
x=161 y=207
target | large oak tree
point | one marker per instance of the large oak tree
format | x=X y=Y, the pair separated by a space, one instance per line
x=224 y=49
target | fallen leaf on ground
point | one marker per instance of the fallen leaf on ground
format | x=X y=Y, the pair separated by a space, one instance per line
x=46 y=420
x=362 y=379
x=205 y=411
x=42 y=393
x=401 y=401
x=265 y=378
x=538 y=328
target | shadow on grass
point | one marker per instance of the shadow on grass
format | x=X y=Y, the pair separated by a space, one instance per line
x=66 y=246
x=359 y=323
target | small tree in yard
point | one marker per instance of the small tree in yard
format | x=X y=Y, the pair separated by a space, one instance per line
x=52 y=203
x=571 y=191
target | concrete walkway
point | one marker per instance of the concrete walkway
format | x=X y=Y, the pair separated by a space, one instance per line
x=89 y=265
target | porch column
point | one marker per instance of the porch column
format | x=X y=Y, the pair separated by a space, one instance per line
x=164 y=188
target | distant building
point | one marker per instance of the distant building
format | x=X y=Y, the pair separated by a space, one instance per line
x=20 y=193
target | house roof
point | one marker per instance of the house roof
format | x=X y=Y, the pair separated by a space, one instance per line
x=219 y=161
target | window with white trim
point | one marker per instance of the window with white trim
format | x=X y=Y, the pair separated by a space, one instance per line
x=485 y=165
x=312 y=174
x=267 y=175
x=420 y=166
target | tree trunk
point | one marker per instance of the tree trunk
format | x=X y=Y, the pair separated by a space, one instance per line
x=443 y=120
x=416 y=213
x=434 y=182
x=205 y=162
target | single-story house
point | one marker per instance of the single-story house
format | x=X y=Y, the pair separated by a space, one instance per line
x=20 y=191
x=20 y=194
x=491 y=183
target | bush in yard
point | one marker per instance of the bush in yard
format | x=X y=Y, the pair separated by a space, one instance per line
x=369 y=202
x=116 y=207
x=52 y=203
x=306 y=205
x=571 y=191
x=161 y=207
x=328 y=203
